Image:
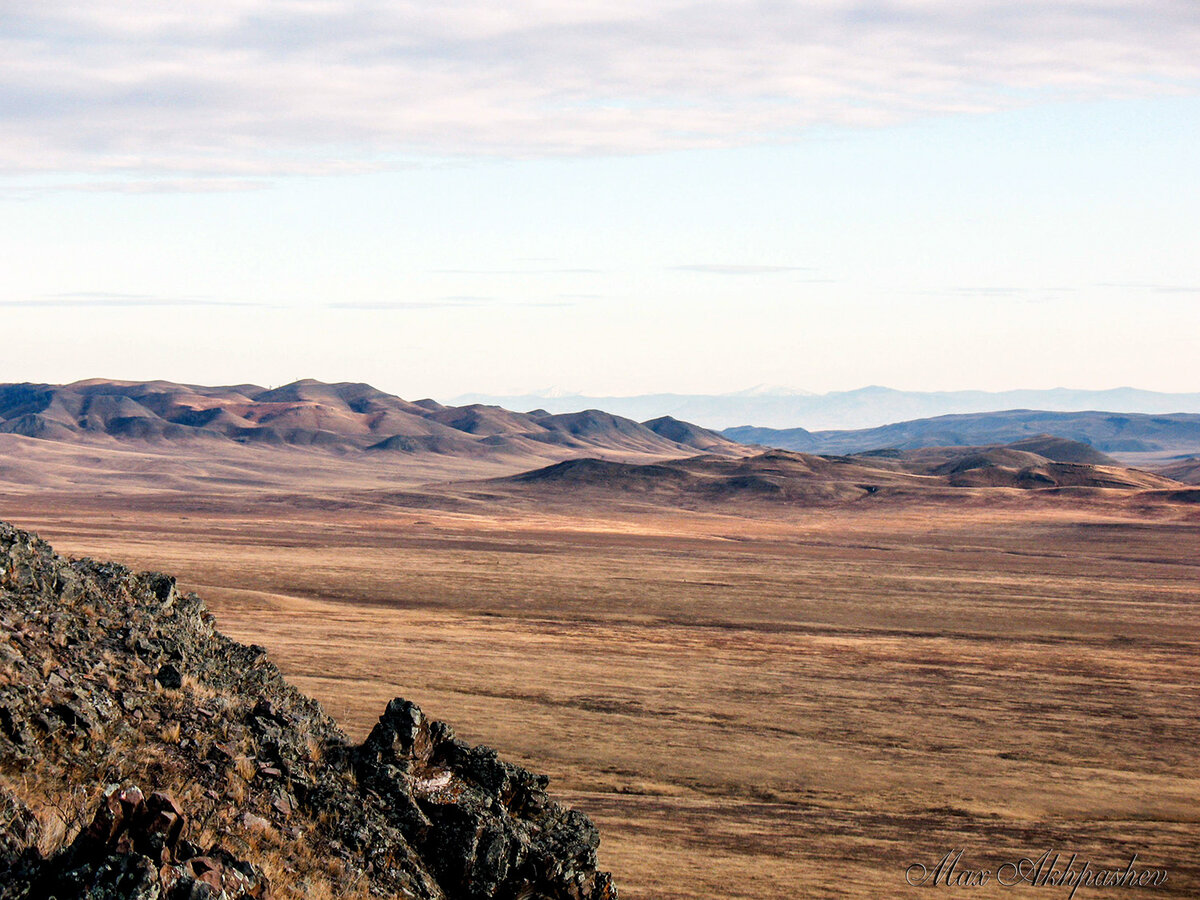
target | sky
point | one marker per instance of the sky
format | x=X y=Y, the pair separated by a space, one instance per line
x=610 y=198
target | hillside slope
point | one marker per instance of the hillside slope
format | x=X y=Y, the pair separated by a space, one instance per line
x=803 y=478
x=344 y=418
x=1186 y=470
x=143 y=754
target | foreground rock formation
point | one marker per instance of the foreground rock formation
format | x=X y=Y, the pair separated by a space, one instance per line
x=143 y=754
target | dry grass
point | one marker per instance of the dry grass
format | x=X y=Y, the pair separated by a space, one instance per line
x=752 y=703
x=62 y=810
x=316 y=752
x=246 y=768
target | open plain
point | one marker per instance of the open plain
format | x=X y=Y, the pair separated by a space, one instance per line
x=753 y=700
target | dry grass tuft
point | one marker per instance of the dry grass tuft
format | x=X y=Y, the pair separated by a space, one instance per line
x=246 y=767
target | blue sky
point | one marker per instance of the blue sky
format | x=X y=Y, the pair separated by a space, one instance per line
x=609 y=198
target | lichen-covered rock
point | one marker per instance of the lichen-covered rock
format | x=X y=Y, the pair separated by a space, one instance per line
x=111 y=679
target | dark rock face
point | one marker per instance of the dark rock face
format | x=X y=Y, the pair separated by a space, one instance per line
x=111 y=679
x=169 y=677
x=492 y=828
x=133 y=848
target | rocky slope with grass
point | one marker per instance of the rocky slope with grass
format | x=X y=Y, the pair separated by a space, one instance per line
x=145 y=755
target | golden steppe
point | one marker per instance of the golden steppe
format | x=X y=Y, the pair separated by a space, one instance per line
x=752 y=699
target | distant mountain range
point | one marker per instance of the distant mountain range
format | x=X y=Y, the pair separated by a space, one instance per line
x=355 y=418
x=866 y=407
x=337 y=417
x=1130 y=437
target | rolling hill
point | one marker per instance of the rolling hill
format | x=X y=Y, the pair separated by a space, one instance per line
x=344 y=418
x=788 y=476
x=1186 y=470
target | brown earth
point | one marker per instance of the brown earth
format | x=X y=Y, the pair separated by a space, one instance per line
x=1185 y=470
x=753 y=700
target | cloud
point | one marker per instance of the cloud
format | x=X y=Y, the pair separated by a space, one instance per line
x=148 y=185
x=171 y=186
x=739 y=270
x=516 y=271
x=244 y=89
x=995 y=291
x=441 y=303
x=1042 y=294
x=101 y=299
x=1153 y=288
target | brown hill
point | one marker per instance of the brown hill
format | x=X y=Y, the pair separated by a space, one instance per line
x=486 y=421
x=594 y=426
x=782 y=475
x=775 y=475
x=1185 y=470
x=1064 y=450
x=1028 y=451
x=691 y=435
x=1042 y=461
x=607 y=474
x=345 y=417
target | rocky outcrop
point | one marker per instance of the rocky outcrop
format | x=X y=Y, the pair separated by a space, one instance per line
x=143 y=754
x=134 y=848
x=490 y=826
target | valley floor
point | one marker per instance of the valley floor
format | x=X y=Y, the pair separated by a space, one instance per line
x=751 y=702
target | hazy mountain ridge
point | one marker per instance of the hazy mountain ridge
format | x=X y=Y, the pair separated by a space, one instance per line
x=866 y=407
x=343 y=417
x=1132 y=437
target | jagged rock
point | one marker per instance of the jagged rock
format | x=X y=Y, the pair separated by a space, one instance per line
x=20 y=831
x=413 y=812
x=12 y=728
x=494 y=829
x=169 y=677
x=133 y=849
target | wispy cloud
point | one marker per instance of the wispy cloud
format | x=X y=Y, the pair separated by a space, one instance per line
x=138 y=185
x=576 y=271
x=170 y=186
x=100 y=299
x=1057 y=293
x=251 y=88
x=443 y=303
x=995 y=290
x=739 y=270
x=1153 y=288
x=1010 y=291
x=452 y=302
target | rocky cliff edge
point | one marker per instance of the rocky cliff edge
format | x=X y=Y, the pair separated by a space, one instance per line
x=145 y=755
